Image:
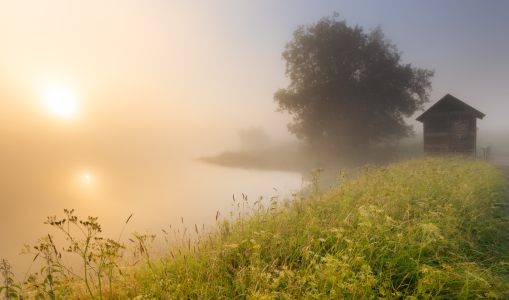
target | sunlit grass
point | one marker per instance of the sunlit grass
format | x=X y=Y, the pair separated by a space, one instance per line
x=432 y=228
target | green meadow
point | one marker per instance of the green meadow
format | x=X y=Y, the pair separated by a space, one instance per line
x=430 y=228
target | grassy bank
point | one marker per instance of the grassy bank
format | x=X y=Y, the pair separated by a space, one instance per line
x=286 y=157
x=431 y=228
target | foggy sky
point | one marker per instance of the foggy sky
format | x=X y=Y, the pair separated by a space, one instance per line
x=210 y=68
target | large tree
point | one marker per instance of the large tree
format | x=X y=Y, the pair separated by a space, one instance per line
x=349 y=89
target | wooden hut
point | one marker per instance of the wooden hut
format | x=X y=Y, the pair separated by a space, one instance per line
x=450 y=126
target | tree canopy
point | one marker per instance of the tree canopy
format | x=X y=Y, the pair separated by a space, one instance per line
x=348 y=88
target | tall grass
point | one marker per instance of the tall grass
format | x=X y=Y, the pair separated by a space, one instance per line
x=432 y=228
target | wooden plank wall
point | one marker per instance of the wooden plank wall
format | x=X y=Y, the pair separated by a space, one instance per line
x=438 y=136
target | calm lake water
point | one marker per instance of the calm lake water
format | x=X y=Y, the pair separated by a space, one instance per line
x=158 y=193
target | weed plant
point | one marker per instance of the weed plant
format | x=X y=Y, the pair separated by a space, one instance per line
x=432 y=228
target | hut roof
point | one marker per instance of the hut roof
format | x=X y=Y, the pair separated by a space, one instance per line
x=450 y=101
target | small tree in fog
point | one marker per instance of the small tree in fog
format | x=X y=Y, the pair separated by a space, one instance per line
x=253 y=139
x=349 y=89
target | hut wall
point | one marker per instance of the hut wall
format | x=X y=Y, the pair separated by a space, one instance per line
x=438 y=137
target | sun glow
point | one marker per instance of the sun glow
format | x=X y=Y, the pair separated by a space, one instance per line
x=86 y=183
x=86 y=180
x=60 y=100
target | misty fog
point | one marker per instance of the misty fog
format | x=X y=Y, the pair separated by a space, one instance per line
x=159 y=85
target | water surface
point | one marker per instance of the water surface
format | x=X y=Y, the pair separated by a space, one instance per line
x=38 y=180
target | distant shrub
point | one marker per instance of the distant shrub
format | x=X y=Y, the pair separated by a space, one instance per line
x=254 y=139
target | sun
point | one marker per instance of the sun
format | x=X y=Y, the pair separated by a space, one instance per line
x=86 y=179
x=60 y=100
